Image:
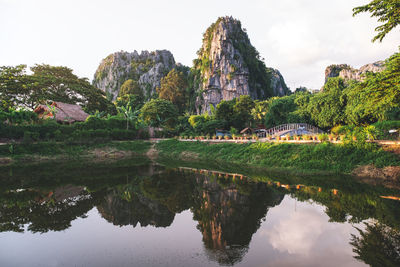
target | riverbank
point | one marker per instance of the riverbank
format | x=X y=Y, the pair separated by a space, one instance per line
x=46 y=151
x=322 y=158
x=364 y=160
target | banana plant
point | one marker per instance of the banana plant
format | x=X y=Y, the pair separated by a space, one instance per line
x=130 y=115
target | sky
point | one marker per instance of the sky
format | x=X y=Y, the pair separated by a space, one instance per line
x=300 y=38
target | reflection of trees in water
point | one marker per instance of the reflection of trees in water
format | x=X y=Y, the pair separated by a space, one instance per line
x=152 y=201
x=228 y=211
x=354 y=207
x=44 y=211
x=229 y=214
x=378 y=245
x=138 y=209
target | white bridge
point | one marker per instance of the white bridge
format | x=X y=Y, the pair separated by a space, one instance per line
x=291 y=129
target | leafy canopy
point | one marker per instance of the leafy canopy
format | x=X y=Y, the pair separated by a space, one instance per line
x=159 y=113
x=387 y=12
x=17 y=89
x=173 y=88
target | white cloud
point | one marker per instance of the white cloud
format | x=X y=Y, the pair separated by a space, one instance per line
x=295 y=236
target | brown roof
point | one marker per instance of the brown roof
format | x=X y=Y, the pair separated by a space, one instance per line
x=245 y=130
x=64 y=112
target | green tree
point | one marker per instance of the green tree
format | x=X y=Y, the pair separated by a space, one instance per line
x=135 y=102
x=279 y=110
x=173 y=88
x=327 y=107
x=130 y=87
x=260 y=111
x=60 y=84
x=159 y=113
x=130 y=115
x=225 y=112
x=377 y=97
x=14 y=87
x=242 y=110
x=387 y=12
x=49 y=83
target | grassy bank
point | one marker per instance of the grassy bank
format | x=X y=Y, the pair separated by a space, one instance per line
x=306 y=158
x=56 y=150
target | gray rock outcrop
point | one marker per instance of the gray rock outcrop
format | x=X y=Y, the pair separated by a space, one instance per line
x=147 y=68
x=229 y=66
x=348 y=73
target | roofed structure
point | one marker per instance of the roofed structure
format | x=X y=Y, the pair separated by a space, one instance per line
x=65 y=113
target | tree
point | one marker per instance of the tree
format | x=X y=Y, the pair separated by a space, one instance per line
x=225 y=112
x=279 y=110
x=14 y=87
x=130 y=87
x=387 y=12
x=17 y=89
x=135 y=102
x=327 y=107
x=259 y=111
x=58 y=83
x=130 y=115
x=242 y=110
x=173 y=88
x=159 y=113
x=377 y=97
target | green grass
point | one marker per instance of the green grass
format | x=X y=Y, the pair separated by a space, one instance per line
x=324 y=157
x=17 y=151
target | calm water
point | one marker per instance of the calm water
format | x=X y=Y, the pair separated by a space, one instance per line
x=143 y=214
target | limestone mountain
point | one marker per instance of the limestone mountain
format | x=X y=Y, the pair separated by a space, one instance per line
x=348 y=73
x=229 y=66
x=146 y=68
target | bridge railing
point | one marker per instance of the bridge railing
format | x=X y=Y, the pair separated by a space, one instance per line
x=289 y=127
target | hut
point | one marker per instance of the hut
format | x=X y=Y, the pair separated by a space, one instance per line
x=246 y=131
x=64 y=113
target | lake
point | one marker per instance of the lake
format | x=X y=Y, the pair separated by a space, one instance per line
x=140 y=213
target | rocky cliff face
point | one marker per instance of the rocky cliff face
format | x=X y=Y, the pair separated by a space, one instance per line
x=348 y=73
x=147 y=68
x=228 y=66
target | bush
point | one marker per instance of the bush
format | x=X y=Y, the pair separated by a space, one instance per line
x=323 y=137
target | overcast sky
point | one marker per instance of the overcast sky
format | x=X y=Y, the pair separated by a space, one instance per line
x=298 y=37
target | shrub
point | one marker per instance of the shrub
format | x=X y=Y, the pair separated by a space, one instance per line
x=323 y=137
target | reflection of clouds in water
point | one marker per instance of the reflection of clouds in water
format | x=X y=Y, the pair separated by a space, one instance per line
x=298 y=233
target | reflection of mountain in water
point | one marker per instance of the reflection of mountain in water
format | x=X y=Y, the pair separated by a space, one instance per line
x=229 y=214
x=138 y=210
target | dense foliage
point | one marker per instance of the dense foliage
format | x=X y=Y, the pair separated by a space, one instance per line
x=18 y=89
x=387 y=12
x=173 y=88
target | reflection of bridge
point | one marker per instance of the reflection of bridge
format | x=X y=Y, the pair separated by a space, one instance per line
x=292 y=129
x=215 y=173
x=241 y=176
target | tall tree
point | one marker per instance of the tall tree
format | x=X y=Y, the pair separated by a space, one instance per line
x=377 y=96
x=49 y=83
x=173 y=88
x=327 y=107
x=159 y=113
x=387 y=12
x=130 y=87
x=14 y=87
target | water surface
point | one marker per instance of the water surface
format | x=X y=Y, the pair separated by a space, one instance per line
x=145 y=214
